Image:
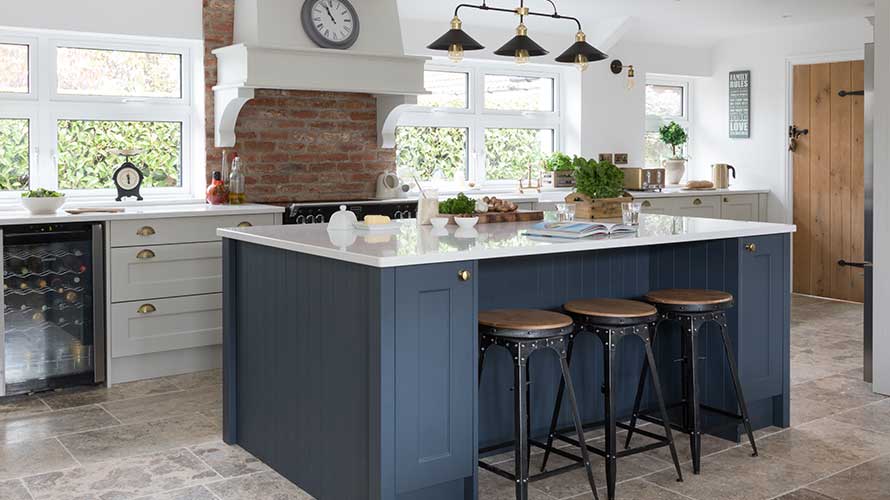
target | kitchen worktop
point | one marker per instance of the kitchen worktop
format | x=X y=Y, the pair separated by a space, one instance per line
x=409 y=244
x=12 y=217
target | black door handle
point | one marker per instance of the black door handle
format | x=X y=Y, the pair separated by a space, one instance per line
x=845 y=93
x=861 y=265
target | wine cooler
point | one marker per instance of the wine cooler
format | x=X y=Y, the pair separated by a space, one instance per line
x=53 y=331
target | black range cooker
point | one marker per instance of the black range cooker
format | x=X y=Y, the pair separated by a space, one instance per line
x=318 y=213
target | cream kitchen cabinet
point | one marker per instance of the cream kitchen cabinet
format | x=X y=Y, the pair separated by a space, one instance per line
x=712 y=205
x=698 y=206
x=165 y=284
x=741 y=207
x=662 y=206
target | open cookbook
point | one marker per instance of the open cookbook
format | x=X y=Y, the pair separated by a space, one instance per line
x=576 y=230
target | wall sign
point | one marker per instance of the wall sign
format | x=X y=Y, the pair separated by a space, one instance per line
x=739 y=104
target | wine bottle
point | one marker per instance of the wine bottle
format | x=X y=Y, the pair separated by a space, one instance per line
x=35 y=265
x=71 y=296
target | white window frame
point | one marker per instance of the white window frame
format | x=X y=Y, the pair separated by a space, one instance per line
x=653 y=122
x=476 y=119
x=44 y=106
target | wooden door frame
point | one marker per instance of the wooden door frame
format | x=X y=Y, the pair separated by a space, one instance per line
x=790 y=63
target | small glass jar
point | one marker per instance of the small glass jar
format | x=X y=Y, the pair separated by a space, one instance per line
x=427 y=206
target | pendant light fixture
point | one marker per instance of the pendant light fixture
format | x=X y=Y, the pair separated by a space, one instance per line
x=521 y=47
x=455 y=41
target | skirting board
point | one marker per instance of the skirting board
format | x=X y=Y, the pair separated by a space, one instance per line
x=162 y=364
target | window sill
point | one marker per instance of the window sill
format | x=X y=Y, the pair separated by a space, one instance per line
x=13 y=203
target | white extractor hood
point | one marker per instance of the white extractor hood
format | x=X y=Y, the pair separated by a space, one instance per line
x=271 y=51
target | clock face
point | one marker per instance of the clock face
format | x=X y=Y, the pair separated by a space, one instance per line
x=330 y=23
x=128 y=178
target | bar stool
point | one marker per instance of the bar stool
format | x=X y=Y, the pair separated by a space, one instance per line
x=693 y=309
x=611 y=320
x=523 y=332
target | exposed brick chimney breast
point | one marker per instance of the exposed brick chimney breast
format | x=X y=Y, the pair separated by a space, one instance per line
x=296 y=145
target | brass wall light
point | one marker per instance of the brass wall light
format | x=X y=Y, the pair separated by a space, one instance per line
x=618 y=67
x=521 y=47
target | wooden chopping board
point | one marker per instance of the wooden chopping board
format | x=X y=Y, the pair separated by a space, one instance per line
x=517 y=216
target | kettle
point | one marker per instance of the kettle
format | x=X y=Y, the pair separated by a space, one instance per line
x=720 y=175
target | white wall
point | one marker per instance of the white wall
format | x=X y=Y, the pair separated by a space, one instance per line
x=881 y=346
x=163 y=18
x=760 y=160
x=613 y=118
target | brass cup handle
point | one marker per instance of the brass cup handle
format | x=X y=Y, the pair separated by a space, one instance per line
x=751 y=247
x=464 y=275
x=647 y=204
x=245 y=224
x=145 y=231
x=696 y=202
x=145 y=255
x=146 y=309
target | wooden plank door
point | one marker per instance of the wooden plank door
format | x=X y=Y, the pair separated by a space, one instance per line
x=829 y=180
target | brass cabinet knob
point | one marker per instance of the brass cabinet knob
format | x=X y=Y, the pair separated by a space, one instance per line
x=463 y=275
x=146 y=309
x=751 y=247
x=647 y=204
x=245 y=224
x=145 y=255
x=725 y=200
x=145 y=231
x=696 y=202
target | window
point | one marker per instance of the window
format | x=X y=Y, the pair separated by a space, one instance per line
x=482 y=124
x=667 y=100
x=14 y=68
x=99 y=95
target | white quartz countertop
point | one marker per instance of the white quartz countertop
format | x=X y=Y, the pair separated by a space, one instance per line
x=410 y=244
x=13 y=217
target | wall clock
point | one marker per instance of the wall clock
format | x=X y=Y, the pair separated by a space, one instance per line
x=331 y=24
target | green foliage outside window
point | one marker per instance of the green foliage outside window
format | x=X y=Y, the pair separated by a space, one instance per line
x=430 y=152
x=85 y=160
x=510 y=151
x=14 y=159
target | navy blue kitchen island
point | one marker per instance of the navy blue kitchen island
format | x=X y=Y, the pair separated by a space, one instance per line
x=350 y=359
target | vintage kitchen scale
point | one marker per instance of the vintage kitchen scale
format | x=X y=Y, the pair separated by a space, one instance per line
x=128 y=177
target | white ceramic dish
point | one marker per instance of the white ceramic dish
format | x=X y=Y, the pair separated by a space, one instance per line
x=466 y=222
x=43 y=206
x=376 y=228
x=439 y=222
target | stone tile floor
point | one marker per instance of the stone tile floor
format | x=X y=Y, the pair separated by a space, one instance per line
x=160 y=440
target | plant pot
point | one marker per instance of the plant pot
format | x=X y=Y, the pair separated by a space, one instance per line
x=674 y=170
x=560 y=178
x=601 y=208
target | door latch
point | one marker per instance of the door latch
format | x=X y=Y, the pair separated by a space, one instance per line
x=794 y=134
x=861 y=265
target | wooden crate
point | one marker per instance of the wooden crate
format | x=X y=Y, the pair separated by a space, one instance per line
x=560 y=179
x=603 y=208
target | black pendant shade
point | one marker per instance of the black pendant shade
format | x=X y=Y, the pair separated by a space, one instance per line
x=582 y=48
x=521 y=42
x=455 y=37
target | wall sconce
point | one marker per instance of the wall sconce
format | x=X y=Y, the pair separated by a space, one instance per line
x=618 y=67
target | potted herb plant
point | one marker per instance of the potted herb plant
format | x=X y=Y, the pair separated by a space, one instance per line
x=559 y=171
x=674 y=136
x=599 y=189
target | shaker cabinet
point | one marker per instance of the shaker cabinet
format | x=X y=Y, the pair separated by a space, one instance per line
x=711 y=205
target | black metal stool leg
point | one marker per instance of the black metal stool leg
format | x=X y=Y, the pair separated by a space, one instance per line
x=641 y=387
x=740 y=397
x=656 y=384
x=520 y=446
x=554 y=420
x=579 y=428
x=611 y=424
x=692 y=367
x=528 y=414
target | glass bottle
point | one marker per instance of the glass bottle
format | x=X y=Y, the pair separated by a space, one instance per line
x=216 y=191
x=236 y=183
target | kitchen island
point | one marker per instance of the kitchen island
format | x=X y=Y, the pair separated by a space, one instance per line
x=350 y=359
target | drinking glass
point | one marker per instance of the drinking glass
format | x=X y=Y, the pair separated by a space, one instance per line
x=566 y=212
x=630 y=213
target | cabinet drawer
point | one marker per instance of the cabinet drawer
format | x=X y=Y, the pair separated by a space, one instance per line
x=741 y=207
x=159 y=325
x=698 y=206
x=127 y=233
x=663 y=206
x=156 y=271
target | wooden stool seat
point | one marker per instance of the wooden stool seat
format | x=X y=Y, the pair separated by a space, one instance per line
x=524 y=319
x=631 y=311
x=690 y=299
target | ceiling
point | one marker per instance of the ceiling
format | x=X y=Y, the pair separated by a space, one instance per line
x=696 y=23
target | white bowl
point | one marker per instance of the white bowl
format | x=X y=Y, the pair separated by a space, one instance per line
x=466 y=222
x=43 y=206
x=439 y=222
